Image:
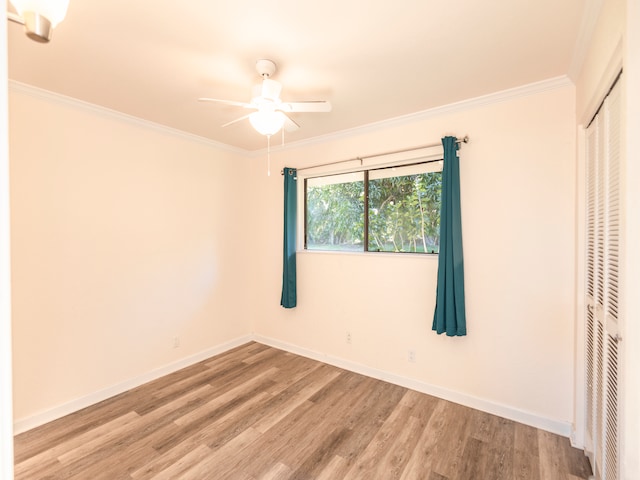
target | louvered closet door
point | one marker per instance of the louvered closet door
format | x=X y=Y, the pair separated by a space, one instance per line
x=602 y=286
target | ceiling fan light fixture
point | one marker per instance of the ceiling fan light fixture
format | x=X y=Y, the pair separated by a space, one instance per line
x=267 y=122
x=40 y=17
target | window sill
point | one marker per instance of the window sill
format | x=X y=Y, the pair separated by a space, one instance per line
x=432 y=256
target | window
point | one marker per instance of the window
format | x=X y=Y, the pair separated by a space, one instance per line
x=394 y=209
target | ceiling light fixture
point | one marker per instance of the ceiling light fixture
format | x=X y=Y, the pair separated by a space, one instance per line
x=39 y=17
x=267 y=121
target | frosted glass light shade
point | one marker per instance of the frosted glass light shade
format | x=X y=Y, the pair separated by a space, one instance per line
x=52 y=10
x=267 y=122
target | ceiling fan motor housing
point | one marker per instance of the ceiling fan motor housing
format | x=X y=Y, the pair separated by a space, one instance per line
x=265 y=68
x=268 y=90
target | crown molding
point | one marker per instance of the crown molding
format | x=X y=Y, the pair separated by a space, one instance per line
x=476 y=102
x=46 y=95
x=484 y=100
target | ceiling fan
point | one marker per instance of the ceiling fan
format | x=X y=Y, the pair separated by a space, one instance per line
x=270 y=113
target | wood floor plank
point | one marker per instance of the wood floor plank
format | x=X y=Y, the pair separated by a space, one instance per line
x=423 y=456
x=291 y=398
x=336 y=468
x=265 y=355
x=165 y=461
x=232 y=371
x=264 y=453
x=33 y=442
x=367 y=419
x=178 y=467
x=237 y=354
x=270 y=409
x=550 y=455
x=474 y=459
x=392 y=462
x=452 y=442
x=526 y=460
x=575 y=460
x=435 y=476
x=278 y=472
x=253 y=385
x=321 y=455
x=210 y=464
x=103 y=437
x=135 y=444
x=377 y=457
x=556 y=454
x=293 y=370
x=205 y=432
x=108 y=470
x=258 y=413
x=296 y=442
x=24 y=468
x=330 y=432
x=499 y=463
x=46 y=468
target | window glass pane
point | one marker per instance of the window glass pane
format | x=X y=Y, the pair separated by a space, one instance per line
x=404 y=210
x=335 y=212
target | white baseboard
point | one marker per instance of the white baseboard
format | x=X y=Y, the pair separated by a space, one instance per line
x=528 y=418
x=554 y=426
x=27 y=423
x=577 y=441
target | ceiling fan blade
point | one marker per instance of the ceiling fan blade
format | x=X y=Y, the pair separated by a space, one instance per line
x=227 y=102
x=236 y=120
x=289 y=124
x=311 y=106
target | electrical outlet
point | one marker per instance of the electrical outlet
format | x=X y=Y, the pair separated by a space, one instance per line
x=176 y=342
x=411 y=356
x=349 y=337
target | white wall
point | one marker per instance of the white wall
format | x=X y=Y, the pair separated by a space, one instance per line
x=6 y=412
x=518 y=203
x=123 y=237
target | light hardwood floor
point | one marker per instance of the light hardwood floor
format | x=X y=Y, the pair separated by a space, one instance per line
x=256 y=412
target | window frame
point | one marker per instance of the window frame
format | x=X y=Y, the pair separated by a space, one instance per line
x=302 y=193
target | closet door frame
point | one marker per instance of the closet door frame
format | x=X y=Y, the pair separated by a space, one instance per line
x=599 y=308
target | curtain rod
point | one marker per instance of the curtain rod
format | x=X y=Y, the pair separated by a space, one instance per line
x=392 y=152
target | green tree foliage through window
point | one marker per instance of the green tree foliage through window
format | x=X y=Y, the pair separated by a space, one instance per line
x=403 y=211
x=335 y=216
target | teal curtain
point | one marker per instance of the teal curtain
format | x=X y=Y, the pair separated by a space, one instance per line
x=449 y=316
x=288 y=299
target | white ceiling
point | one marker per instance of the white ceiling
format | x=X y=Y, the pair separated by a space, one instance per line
x=372 y=59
